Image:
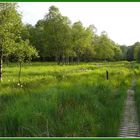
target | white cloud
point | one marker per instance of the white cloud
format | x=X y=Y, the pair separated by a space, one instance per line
x=120 y=20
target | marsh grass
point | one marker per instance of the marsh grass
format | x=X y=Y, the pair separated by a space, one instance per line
x=74 y=100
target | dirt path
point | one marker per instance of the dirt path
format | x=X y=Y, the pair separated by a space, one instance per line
x=129 y=125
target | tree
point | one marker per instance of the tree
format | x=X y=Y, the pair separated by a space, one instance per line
x=10 y=28
x=36 y=35
x=104 y=47
x=138 y=55
x=57 y=29
x=130 y=51
x=89 y=51
x=124 y=49
x=24 y=52
x=82 y=39
x=137 y=52
x=117 y=53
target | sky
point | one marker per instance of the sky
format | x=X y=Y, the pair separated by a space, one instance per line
x=120 y=20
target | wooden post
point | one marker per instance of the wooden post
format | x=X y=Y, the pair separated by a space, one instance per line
x=107 y=75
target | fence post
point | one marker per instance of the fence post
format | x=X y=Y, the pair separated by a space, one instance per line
x=107 y=75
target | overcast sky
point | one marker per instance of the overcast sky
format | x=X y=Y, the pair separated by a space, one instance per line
x=120 y=20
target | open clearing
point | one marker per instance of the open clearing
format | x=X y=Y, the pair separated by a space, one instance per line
x=69 y=100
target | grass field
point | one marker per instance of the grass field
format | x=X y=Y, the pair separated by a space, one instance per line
x=70 y=100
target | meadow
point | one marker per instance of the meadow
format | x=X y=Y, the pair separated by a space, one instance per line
x=69 y=100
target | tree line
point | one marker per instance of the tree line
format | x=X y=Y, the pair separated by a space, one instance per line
x=131 y=53
x=55 y=38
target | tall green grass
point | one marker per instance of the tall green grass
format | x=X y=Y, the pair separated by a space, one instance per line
x=64 y=101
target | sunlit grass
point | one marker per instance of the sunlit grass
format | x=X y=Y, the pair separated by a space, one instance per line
x=70 y=100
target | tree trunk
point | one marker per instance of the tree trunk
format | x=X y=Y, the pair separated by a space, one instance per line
x=72 y=59
x=7 y=61
x=57 y=56
x=1 y=64
x=56 y=59
x=63 y=59
x=78 y=60
x=67 y=60
x=59 y=60
x=43 y=59
x=19 y=72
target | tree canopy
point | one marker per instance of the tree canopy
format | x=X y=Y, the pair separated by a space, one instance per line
x=11 y=28
x=56 y=38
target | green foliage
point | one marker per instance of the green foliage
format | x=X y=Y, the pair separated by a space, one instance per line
x=73 y=100
x=57 y=30
x=10 y=27
x=124 y=51
x=137 y=52
x=37 y=38
x=57 y=39
x=106 y=49
x=11 y=43
x=24 y=51
x=132 y=52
